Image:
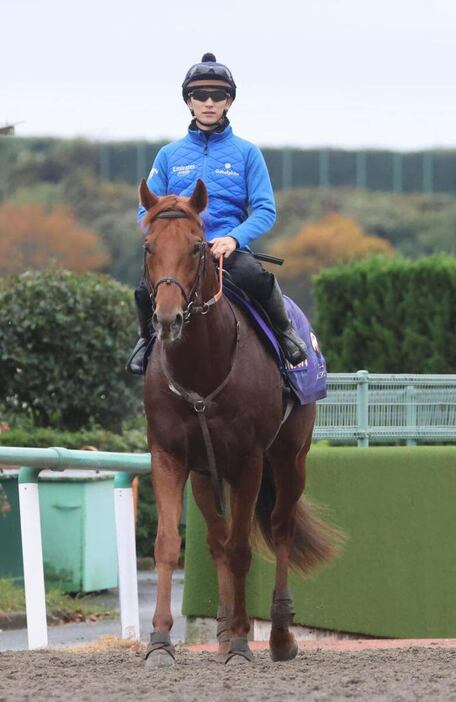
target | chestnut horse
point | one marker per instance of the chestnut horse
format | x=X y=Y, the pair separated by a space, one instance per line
x=213 y=399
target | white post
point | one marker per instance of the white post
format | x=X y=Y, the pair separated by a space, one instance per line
x=126 y=555
x=32 y=554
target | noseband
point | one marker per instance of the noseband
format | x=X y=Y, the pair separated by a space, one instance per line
x=190 y=305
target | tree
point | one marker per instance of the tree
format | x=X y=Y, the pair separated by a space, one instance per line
x=32 y=237
x=319 y=244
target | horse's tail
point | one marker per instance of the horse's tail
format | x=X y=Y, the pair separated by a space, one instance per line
x=315 y=541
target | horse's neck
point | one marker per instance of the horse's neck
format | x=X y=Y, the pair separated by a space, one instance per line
x=203 y=358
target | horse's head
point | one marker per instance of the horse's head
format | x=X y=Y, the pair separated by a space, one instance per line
x=175 y=252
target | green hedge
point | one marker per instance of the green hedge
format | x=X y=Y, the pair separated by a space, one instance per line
x=63 y=345
x=389 y=315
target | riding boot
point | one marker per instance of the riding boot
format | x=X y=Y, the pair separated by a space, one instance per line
x=135 y=362
x=293 y=347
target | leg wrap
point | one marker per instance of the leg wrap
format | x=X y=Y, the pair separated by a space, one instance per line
x=224 y=615
x=282 y=609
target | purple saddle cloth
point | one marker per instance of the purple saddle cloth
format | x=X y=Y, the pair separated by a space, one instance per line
x=308 y=380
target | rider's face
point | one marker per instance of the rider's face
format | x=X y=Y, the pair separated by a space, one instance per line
x=208 y=113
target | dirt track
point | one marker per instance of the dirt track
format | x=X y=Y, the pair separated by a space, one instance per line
x=401 y=674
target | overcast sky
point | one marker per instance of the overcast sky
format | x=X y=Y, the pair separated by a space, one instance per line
x=349 y=73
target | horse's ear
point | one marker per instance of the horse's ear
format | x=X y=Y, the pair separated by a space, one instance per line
x=198 y=199
x=147 y=198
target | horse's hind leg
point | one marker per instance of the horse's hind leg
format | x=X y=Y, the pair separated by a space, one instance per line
x=217 y=534
x=288 y=462
x=168 y=478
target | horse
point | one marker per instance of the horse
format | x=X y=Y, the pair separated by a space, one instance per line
x=213 y=399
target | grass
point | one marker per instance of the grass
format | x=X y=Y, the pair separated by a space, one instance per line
x=58 y=604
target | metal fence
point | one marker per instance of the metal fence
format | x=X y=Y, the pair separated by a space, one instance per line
x=368 y=408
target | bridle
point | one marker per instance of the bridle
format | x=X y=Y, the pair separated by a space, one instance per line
x=191 y=306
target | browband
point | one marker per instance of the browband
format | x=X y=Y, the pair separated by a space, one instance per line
x=171 y=214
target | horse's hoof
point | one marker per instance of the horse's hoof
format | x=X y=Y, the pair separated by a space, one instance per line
x=220 y=656
x=285 y=653
x=159 y=659
x=238 y=652
x=160 y=651
x=237 y=659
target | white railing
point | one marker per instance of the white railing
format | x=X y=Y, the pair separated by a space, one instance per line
x=125 y=466
x=368 y=408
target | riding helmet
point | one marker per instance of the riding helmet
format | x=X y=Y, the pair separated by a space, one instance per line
x=209 y=69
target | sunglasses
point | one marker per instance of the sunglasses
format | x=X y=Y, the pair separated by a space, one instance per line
x=216 y=95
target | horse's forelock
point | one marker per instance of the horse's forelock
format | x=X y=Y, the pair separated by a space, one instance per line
x=171 y=202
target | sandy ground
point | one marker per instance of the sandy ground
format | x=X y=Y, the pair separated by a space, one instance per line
x=409 y=673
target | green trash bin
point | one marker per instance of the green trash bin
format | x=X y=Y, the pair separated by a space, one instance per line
x=10 y=528
x=77 y=527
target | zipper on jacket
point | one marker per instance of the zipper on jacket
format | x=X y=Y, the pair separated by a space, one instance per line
x=205 y=153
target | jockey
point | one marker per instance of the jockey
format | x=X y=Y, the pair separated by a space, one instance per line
x=241 y=201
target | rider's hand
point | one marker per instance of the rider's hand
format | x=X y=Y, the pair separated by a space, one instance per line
x=223 y=245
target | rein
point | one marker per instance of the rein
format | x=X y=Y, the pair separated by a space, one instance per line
x=190 y=306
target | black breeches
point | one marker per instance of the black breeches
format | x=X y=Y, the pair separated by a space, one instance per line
x=249 y=275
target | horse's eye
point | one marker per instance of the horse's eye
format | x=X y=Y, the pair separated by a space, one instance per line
x=197 y=248
x=147 y=249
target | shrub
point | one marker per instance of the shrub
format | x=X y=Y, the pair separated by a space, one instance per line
x=62 y=349
x=389 y=315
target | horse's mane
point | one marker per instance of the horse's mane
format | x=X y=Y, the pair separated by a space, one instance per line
x=171 y=202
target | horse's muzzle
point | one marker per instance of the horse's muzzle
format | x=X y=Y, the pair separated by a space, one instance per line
x=168 y=326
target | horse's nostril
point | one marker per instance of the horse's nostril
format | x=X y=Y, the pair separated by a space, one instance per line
x=178 y=323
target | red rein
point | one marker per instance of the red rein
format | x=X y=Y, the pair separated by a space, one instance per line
x=219 y=294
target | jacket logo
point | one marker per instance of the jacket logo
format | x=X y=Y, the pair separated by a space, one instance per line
x=227 y=170
x=153 y=172
x=183 y=170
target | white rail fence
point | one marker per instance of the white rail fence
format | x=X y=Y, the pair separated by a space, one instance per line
x=125 y=466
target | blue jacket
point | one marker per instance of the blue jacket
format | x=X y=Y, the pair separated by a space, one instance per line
x=241 y=201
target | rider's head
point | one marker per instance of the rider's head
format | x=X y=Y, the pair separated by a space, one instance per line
x=209 y=90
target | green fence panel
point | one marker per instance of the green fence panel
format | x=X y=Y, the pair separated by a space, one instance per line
x=397 y=574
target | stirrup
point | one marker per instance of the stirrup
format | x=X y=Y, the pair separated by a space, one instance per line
x=135 y=363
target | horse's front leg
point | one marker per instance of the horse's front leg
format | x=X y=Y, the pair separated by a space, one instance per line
x=244 y=492
x=217 y=535
x=168 y=478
